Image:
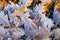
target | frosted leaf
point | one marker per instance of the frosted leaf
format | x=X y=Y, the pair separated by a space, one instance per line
x=56 y=17
x=12 y=4
x=9 y=38
x=16 y=22
x=21 y=15
x=16 y=6
x=7 y=33
x=4 y=18
x=26 y=15
x=15 y=13
x=46 y=38
x=26 y=2
x=22 y=1
x=44 y=21
x=17 y=33
x=19 y=12
x=33 y=14
x=2 y=22
x=7 y=7
x=39 y=8
x=29 y=29
x=39 y=34
x=49 y=23
x=56 y=33
x=2 y=31
x=29 y=38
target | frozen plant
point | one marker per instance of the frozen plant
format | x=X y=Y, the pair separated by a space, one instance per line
x=44 y=21
x=4 y=19
x=56 y=33
x=17 y=33
x=56 y=16
x=2 y=33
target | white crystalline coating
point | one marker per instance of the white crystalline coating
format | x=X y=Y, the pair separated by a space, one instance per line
x=29 y=26
x=56 y=17
x=45 y=21
x=19 y=22
x=17 y=6
x=7 y=7
x=4 y=19
x=3 y=16
x=26 y=2
x=56 y=33
x=12 y=4
x=39 y=8
x=15 y=20
x=33 y=29
x=9 y=38
x=2 y=31
x=22 y=1
x=26 y=15
x=46 y=39
x=22 y=15
x=18 y=13
x=7 y=34
x=17 y=32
